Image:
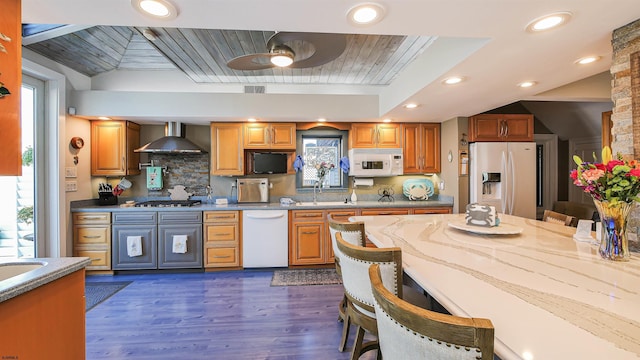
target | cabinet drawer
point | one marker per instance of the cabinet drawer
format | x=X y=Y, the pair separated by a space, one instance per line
x=100 y=259
x=221 y=216
x=92 y=234
x=222 y=255
x=227 y=232
x=179 y=217
x=135 y=218
x=370 y=212
x=342 y=215
x=92 y=218
x=307 y=215
x=432 y=211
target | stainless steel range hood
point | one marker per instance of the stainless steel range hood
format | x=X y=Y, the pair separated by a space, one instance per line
x=173 y=143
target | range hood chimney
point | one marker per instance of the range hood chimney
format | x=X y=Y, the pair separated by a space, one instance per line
x=172 y=143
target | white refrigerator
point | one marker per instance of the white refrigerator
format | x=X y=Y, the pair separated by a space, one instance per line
x=503 y=174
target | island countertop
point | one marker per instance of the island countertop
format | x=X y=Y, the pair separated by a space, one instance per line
x=548 y=295
x=51 y=269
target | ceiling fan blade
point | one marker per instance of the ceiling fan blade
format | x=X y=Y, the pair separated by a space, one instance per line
x=251 y=62
x=327 y=46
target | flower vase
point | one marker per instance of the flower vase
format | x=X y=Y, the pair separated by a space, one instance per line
x=613 y=216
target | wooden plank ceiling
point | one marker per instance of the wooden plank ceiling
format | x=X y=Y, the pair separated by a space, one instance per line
x=202 y=55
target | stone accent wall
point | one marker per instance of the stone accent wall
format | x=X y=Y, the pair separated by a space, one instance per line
x=625 y=94
x=190 y=170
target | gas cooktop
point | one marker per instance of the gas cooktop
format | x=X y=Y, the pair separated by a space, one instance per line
x=168 y=203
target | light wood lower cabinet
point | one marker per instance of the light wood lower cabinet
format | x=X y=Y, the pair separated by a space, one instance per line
x=307 y=243
x=222 y=239
x=92 y=238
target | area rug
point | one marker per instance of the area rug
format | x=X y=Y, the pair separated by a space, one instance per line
x=97 y=292
x=305 y=277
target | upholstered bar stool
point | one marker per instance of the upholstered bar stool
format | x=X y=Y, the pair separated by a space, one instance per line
x=354 y=264
x=353 y=233
x=407 y=332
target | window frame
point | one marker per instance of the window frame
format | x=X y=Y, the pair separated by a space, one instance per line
x=319 y=133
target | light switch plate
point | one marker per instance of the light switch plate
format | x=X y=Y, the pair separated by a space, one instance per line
x=71 y=186
x=71 y=172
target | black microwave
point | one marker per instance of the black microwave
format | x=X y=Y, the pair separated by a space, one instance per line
x=269 y=163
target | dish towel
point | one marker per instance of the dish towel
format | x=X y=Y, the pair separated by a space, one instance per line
x=134 y=246
x=179 y=244
x=154 y=178
x=298 y=164
x=344 y=164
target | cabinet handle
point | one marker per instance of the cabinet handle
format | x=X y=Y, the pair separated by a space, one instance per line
x=222 y=217
x=91 y=236
x=123 y=163
x=309 y=232
x=221 y=256
x=89 y=217
x=385 y=213
x=309 y=215
x=95 y=259
x=506 y=129
x=220 y=234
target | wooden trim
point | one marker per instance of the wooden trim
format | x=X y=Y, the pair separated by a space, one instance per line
x=313 y=125
x=607 y=124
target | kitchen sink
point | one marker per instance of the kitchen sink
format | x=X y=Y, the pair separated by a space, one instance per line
x=322 y=203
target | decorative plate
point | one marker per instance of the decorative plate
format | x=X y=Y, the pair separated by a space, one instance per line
x=502 y=229
x=417 y=189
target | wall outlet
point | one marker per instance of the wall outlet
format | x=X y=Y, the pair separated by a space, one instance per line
x=71 y=186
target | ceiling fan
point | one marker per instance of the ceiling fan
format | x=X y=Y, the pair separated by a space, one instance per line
x=326 y=47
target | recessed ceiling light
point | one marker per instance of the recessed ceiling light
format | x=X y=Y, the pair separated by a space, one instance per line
x=410 y=106
x=549 y=21
x=587 y=60
x=103 y=118
x=526 y=84
x=386 y=120
x=453 y=80
x=162 y=9
x=366 y=14
x=322 y=120
x=251 y=119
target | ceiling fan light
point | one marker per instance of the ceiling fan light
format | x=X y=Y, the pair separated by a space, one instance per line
x=282 y=56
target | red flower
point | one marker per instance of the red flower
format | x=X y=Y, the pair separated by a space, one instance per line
x=613 y=163
x=574 y=174
x=600 y=166
x=634 y=172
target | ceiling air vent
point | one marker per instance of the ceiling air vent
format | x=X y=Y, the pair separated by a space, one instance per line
x=254 y=89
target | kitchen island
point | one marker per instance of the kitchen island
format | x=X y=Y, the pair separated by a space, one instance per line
x=548 y=296
x=42 y=308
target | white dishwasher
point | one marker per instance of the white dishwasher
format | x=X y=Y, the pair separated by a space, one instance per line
x=265 y=238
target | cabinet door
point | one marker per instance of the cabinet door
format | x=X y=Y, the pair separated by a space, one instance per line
x=362 y=136
x=121 y=259
x=256 y=136
x=283 y=136
x=411 y=151
x=431 y=210
x=108 y=148
x=133 y=142
x=430 y=141
x=485 y=127
x=308 y=245
x=227 y=154
x=168 y=258
x=518 y=127
x=389 y=136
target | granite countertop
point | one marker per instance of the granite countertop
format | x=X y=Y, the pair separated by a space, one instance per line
x=53 y=269
x=438 y=201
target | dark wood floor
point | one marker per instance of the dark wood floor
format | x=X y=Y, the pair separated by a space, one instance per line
x=215 y=315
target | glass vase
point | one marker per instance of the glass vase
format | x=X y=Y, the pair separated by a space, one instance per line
x=613 y=216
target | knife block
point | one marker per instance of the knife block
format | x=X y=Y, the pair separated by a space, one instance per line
x=107 y=198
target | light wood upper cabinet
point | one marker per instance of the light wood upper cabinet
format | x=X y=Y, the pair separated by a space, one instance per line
x=421 y=150
x=366 y=135
x=112 y=145
x=270 y=136
x=501 y=127
x=227 y=154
